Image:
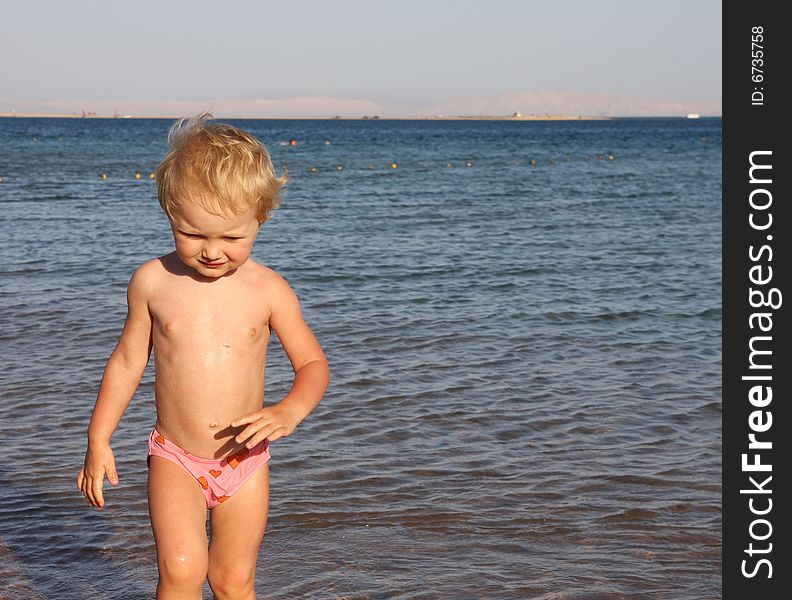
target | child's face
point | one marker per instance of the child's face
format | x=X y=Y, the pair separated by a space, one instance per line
x=210 y=244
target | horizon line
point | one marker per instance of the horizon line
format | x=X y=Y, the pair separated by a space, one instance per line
x=515 y=117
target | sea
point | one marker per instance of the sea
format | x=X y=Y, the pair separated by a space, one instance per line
x=523 y=324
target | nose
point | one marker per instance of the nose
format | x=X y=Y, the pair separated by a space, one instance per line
x=211 y=251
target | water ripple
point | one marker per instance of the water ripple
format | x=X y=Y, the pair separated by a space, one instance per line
x=526 y=365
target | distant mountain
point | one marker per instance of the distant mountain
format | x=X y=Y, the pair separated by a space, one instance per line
x=306 y=105
x=575 y=103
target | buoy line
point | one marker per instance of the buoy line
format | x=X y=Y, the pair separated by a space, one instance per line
x=423 y=165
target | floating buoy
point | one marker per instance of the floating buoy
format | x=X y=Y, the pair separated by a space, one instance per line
x=468 y=164
x=152 y=176
x=103 y=176
x=610 y=157
x=449 y=165
x=313 y=169
x=292 y=142
x=339 y=168
x=327 y=142
x=137 y=176
x=371 y=167
x=532 y=161
x=394 y=165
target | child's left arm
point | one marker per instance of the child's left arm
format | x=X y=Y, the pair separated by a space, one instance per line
x=311 y=373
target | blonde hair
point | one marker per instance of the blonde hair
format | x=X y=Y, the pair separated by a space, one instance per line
x=219 y=167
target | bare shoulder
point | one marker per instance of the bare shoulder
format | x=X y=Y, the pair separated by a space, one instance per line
x=268 y=280
x=146 y=276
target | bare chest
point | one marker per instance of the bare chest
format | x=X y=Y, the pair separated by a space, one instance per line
x=210 y=316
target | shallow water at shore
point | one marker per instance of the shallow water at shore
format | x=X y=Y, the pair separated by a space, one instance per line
x=524 y=338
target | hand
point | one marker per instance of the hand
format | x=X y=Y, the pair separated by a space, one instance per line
x=271 y=423
x=99 y=461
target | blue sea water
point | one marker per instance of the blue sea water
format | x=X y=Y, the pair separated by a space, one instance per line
x=523 y=325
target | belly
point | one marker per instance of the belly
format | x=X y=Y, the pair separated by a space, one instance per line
x=198 y=395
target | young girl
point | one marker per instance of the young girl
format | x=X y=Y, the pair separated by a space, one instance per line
x=207 y=310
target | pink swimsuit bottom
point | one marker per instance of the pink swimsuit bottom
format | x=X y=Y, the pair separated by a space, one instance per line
x=218 y=479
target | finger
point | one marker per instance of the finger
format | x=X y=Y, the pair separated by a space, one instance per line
x=268 y=433
x=249 y=431
x=80 y=477
x=88 y=491
x=244 y=419
x=112 y=474
x=276 y=435
x=97 y=491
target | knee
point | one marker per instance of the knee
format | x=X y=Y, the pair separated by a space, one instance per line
x=232 y=580
x=182 y=570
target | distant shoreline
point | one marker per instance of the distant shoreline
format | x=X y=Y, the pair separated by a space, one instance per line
x=337 y=118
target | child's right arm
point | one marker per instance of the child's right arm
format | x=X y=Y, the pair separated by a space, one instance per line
x=120 y=380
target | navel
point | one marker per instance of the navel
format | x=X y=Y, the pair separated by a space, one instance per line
x=213 y=425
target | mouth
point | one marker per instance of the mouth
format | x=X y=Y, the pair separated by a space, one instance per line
x=212 y=265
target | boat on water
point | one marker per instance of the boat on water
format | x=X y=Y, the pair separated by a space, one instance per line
x=693 y=116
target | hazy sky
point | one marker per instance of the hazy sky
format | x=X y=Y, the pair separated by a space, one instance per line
x=346 y=55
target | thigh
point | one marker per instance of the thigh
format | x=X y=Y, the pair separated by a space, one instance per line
x=238 y=524
x=177 y=509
